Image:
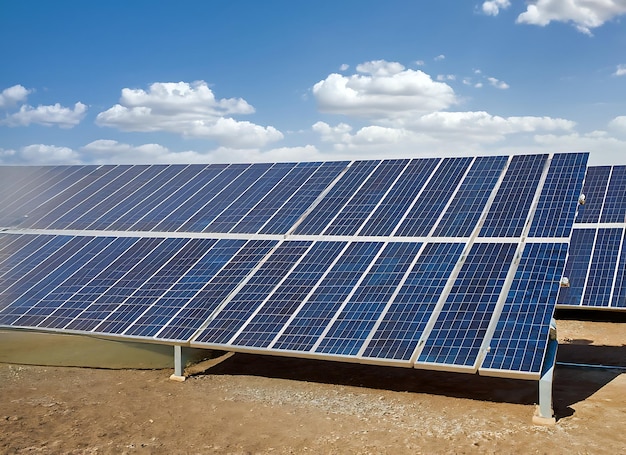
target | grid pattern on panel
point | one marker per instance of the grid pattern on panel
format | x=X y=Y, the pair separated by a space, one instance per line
x=107 y=290
x=356 y=211
x=284 y=218
x=509 y=210
x=257 y=217
x=462 y=324
x=519 y=341
x=602 y=267
x=596 y=182
x=15 y=180
x=469 y=202
x=47 y=275
x=55 y=207
x=422 y=216
x=316 y=221
x=51 y=183
x=251 y=196
x=214 y=182
x=67 y=300
x=357 y=318
x=619 y=289
x=187 y=286
x=231 y=318
x=614 y=210
x=157 y=274
x=117 y=202
x=192 y=316
x=557 y=204
x=314 y=316
x=23 y=268
x=404 y=322
x=88 y=213
x=284 y=301
x=389 y=213
x=578 y=258
x=225 y=197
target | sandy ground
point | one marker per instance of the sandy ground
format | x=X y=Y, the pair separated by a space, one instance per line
x=259 y=404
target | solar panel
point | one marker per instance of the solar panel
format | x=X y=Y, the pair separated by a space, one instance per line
x=447 y=263
x=596 y=262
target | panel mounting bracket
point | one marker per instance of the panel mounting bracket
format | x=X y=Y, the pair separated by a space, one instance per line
x=544 y=414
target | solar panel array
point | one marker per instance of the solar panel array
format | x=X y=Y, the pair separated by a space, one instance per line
x=442 y=263
x=597 y=258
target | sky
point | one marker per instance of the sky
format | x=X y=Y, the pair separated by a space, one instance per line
x=218 y=81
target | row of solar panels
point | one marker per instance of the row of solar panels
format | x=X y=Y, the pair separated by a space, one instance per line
x=436 y=305
x=403 y=198
x=440 y=263
x=597 y=255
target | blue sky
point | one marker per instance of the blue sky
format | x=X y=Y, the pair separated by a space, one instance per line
x=242 y=81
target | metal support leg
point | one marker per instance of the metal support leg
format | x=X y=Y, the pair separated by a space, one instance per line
x=178 y=365
x=544 y=415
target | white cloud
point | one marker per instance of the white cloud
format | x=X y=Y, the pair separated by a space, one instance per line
x=419 y=62
x=492 y=8
x=620 y=71
x=189 y=110
x=618 y=124
x=13 y=95
x=440 y=57
x=446 y=77
x=382 y=90
x=584 y=14
x=55 y=115
x=344 y=67
x=40 y=154
x=498 y=83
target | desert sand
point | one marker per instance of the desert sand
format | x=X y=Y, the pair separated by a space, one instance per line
x=251 y=404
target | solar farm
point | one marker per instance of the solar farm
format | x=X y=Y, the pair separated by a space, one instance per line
x=447 y=264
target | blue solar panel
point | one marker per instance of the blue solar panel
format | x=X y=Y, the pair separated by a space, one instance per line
x=249 y=198
x=578 y=259
x=602 y=269
x=289 y=295
x=361 y=311
x=556 y=208
x=284 y=218
x=423 y=215
x=365 y=199
x=596 y=183
x=509 y=210
x=519 y=341
x=195 y=312
x=614 y=210
x=229 y=319
x=305 y=328
x=461 y=327
x=403 y=324
x=389 y=213
x=468 y=204
x=325 y=211
x=618 y=300
x=49 y=272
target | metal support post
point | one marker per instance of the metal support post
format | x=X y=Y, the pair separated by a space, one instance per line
x=544 y=415
x=178 y=365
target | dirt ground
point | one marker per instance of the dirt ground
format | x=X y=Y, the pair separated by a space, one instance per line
x=252 y=404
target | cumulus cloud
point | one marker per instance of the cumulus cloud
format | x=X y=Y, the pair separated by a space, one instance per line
x=618 y=124
x=440 y=57
x=492 y=8
x=344 y=67
x=13 y=95
x=55 y=115
x=190 y=110
x=620 y=71
x=40 y=154
x=498 y=83
x=585 y=15
x=382 y=89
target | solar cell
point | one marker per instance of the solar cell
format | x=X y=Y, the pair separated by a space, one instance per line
x=579 y=256
x=403 y=323
x=461 y=327
x=510 y=209
x=519 y=341
x=594 y=189
x=602 y=269
x=614 y=209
